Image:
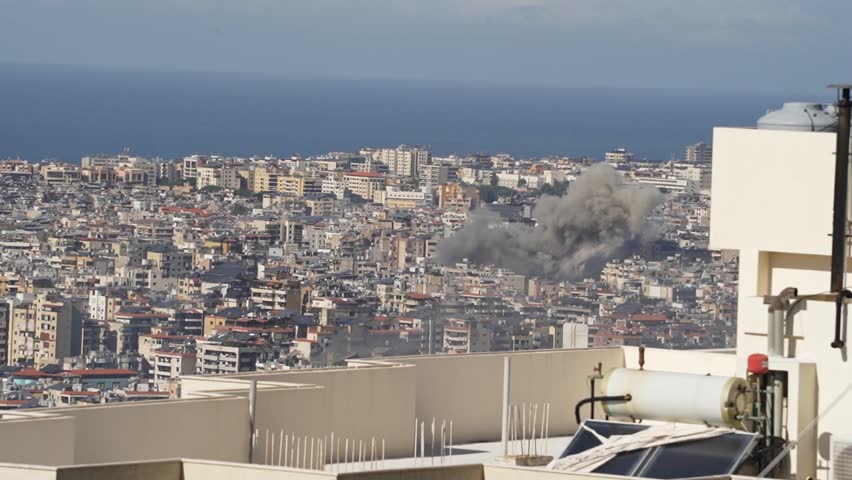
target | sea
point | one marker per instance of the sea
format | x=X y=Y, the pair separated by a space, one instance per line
x=64 y=113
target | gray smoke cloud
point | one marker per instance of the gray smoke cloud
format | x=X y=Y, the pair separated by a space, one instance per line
x=599 y=218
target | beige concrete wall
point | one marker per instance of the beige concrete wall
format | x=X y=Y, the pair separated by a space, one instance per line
x=37 y=441
x=459 y=472
x=771 y=199
x=201 y=386
x=504 y=472
x=202 y=470
x=468 y=388
x=381 y=399
x=159 y=470
x=359 y=404
x=772 y=190
x=214 y=429
x=809 y=343
x=26 y=472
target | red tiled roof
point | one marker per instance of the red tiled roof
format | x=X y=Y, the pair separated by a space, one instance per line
x=31 y=373
x=100 y=372
x=133 y=393
x=86 y=393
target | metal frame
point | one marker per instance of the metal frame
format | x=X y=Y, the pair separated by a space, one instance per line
x=652 y=453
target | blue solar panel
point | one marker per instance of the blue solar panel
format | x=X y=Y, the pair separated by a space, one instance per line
x=721 y=455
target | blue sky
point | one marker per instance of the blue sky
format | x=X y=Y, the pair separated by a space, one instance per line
x=780 y=45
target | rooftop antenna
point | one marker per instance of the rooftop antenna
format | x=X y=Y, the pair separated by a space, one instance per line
x=840 y=224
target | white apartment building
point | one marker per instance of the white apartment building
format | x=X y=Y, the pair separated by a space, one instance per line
x=508 y=180
x=364 y=184
x=618 y=155
x=169 y=365
x=666 y=183
x=393 y=198
x=213 y=357
x=433 y=175
x=334 y=186
x=700 y=176
x=208 y=176
x=403 y=161
x=191 y=164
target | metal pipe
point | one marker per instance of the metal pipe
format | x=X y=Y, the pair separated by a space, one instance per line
x=592 y=397
x=776 y=321
x=252 y=397
x=777 y=409
x=612 y=398
x=505 y=420
x=775 y=333
x=841 y=186
x=838 y=318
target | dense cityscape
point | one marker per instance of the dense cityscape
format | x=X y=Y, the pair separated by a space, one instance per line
x=123 y=273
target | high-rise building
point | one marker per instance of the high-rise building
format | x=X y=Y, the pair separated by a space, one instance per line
x=699 y=153
x=403 y=161
x=191 y=164
x=44 y=331
x=5 y=320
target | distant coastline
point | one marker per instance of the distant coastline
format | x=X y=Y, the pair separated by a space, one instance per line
x=64 y=113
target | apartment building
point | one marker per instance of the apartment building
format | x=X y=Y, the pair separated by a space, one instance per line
x=320 y=204
x=699 y=153
x=466 y=336
x=103 y=303
x=278 y=296
x=364 y=184
x=458 y=198
x=149 y=343
x=618 y=155
x=208 y=176
x=170 y=262
x=6 y=309
x=45 y=330
x=60 y=173
x=130 y=324
x=189 y=167
x=433 y=175
x=170 y=364
x=403 y=161
x=398 y=199
x=228 y=353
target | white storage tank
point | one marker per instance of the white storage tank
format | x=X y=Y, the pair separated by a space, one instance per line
x=800 y=116
x=676 y=397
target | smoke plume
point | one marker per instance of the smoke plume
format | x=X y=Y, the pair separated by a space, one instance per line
x=600 y=217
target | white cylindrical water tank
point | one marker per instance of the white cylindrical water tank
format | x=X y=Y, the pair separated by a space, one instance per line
x=676 y=397
x=800 y=116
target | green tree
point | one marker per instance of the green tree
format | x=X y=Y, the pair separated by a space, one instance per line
x=239 y=209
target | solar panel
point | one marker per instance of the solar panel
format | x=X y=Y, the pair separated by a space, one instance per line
x=712 y=456
x=720 y=455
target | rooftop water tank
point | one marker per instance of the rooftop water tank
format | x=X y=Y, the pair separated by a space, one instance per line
x=801 y=116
